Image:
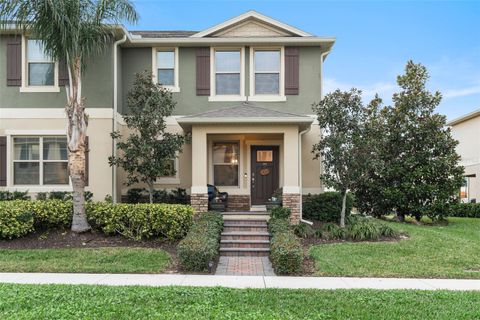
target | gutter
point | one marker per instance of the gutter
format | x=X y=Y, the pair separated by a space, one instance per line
x=115 y=112
x=300 y=174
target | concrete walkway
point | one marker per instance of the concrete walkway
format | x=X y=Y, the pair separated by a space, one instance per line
x=239 y=281
x=244 y=266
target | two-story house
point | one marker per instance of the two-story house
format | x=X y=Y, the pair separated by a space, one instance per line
x=244 y=90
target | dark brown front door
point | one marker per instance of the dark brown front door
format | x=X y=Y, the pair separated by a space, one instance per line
x=264 y=175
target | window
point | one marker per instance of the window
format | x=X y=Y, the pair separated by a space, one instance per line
x=40 y=161
x=225 y=163
x=267 y=71
x=165 y=67
x=227 y=72
x=264 y=156
x=172 y=177
x=40 y=67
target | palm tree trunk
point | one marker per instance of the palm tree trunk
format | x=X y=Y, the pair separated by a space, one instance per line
x=344 y=208
x=76 y=132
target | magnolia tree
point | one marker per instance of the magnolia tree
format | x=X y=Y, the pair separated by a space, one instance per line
x=148 y=152
x=341 y=116
x=72 y=31
x=420 y=172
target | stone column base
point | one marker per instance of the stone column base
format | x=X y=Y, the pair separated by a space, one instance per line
x=292 y=201
x=237 y=202
x=199 y=202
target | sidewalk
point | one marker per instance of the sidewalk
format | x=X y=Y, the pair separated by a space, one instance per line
x=239 y=281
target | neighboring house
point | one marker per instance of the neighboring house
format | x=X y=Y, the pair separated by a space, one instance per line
x=244 y=90
x=466 y=130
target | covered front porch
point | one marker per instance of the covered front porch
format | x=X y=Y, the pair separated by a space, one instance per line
x=252 y=156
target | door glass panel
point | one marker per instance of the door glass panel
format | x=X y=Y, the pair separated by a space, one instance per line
x=264 y=156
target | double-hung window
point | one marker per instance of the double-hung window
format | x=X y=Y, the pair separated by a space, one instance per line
x=40 y=161
x=227 y=74
x=226 y=163
x=165 y=65
x=267 y=73
x=40 y=67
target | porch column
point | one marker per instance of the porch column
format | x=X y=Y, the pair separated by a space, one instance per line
x=199 y=191
x=291 y=181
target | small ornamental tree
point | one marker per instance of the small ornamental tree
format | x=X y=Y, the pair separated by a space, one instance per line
x=148 y=151
x=340 y=115
x=421 y=171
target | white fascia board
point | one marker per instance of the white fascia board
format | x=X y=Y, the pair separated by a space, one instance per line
x=272 y=120
x=302 y=41
x=249 y=15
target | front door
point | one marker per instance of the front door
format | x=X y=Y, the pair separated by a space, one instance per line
x=265 y=173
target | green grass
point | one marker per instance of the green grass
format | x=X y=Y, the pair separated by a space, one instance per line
x=101 y=302
x=97 y=260
x=451 y=251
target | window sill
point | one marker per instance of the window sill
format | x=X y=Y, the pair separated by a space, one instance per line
x=167 y=181
x=226 y=98
x=38 y=188
x=40 y=89
x=172 y=88
x=267 y=98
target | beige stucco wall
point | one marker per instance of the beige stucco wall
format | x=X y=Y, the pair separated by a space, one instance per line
x=100 y=173
x=468 y=135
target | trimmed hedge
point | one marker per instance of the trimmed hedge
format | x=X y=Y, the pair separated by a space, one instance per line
x=141 y=221
x=16 y=220
x=201 y=245
x=326 y=207
x=286 y=250
x=465 y=210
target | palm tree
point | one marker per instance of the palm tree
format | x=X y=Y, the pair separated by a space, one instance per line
x=71 y=31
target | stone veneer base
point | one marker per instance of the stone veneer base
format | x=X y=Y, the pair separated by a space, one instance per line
x=292 y=201
x=238 y=202
x=199 y=202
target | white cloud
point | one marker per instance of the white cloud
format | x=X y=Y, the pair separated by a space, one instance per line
x=461 y=92
x=384 y=89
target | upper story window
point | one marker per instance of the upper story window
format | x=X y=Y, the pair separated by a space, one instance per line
x=40 y=161
x=165 y=67
x=40 y=71
x=266 y=76
x=227 y=81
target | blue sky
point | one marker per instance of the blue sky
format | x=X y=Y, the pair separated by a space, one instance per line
x=374 y=39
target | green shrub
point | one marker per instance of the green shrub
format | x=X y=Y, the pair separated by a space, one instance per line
x=326 y=207
x=286 y=253
x=16 y=220
x=141 y=221
x=62 y=195
x=14 y=195
x=364 y=229
x=280 y=213
x=278 y=225
x=303 y=230
x=201 y=245
x=387 y=231
x=331 y=231
x=51 y=213
x=465 y=210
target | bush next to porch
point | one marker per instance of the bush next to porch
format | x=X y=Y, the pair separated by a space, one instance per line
x=141 y=221
x=326 y=207
x=201 y=245
x=286 y=250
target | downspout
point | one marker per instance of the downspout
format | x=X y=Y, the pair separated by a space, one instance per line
x=322 y=58
x=300 y=174
x=115 y=112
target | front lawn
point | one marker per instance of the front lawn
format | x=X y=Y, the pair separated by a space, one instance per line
x=102 y=302
x=451 y=251
x=92 y=260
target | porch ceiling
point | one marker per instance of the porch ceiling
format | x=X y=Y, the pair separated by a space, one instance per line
x=245 y=113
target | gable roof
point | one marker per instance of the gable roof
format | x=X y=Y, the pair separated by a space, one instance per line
x=254 y=16
x=243 y=113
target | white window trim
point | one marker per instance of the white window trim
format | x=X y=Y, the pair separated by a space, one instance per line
x=171 y=180
x=10 y=160
x=176 y=86
x=267 y=97
x=25 y=87
x=213 y=96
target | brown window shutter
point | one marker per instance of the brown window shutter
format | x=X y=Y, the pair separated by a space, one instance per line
x=87 y=156
x=291 y=71
x=14 y=61
x=203 y=71
x=3 y=161
x=62 y=73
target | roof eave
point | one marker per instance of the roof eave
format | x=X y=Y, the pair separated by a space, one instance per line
x=464 y=118
x=187 y=122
